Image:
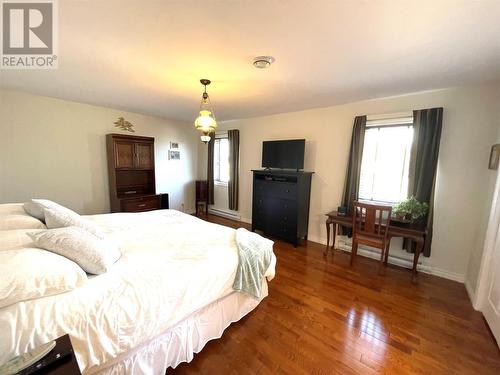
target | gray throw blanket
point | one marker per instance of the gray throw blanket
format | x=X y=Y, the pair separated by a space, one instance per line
x=254 y=256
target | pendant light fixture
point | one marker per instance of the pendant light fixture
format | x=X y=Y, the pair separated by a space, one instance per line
x=205 y=122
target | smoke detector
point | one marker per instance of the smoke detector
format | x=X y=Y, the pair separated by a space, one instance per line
x=263 y=62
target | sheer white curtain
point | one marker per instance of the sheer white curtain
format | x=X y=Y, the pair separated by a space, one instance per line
x=385 y=163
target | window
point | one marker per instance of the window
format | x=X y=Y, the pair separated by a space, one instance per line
x=221 y=160
x=385 y=163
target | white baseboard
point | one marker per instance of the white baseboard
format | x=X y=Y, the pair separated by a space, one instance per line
x=401 y=262
x=246 y=220
x=459 y=277
x=472 y=294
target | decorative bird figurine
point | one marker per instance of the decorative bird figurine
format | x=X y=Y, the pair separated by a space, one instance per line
x=124 y=125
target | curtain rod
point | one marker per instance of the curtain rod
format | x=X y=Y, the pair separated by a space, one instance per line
x=221 y=134
x=389 y=119
x=388 y=116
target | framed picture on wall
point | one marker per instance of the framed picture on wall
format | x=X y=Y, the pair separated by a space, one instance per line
x=174 y=155
x=174 y=145
x=494 y=156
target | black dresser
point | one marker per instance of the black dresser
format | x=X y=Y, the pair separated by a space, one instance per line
x=281 y=203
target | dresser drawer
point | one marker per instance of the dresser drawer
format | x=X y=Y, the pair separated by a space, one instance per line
x=285 y=231
x=274 y=216
x=281 y=229
x=274 y=226
x=284 y=190
x=140 y=204
x=274 y=207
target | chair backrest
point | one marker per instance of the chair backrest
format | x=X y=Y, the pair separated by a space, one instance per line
x=371 y=219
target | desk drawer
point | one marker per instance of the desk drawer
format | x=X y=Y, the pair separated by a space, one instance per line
x=140 y=204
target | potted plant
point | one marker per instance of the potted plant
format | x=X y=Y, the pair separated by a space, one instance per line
x=410 y=210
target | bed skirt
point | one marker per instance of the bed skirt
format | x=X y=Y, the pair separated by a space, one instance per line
x=179 y=343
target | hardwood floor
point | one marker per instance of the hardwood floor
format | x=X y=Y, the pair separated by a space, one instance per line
x=325 y=317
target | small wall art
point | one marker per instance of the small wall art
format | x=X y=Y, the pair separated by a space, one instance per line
x=124 y=125
x=174 y=155
x=494 y=156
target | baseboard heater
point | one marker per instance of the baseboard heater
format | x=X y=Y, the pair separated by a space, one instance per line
x=223 y=213
x=373 y=254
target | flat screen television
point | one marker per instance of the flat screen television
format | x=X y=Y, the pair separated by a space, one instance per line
x=287 y=154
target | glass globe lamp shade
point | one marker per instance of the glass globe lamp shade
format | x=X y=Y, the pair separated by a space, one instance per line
x=205 y=122
x=205 y=138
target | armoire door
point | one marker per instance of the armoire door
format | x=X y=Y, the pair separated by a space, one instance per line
x=124 y=154
x=145 y=155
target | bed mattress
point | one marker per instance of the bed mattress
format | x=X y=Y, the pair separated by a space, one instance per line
x=172 y=266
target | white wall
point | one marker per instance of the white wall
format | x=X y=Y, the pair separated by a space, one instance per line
x=463 y=185
x=56 y=149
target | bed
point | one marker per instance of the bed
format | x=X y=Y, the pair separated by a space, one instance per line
x=166 y=297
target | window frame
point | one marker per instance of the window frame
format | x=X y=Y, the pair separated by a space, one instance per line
x=392 y=123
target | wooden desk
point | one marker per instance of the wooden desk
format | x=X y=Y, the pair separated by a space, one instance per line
x=413 y=232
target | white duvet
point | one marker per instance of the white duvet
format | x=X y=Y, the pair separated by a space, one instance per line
x=172 y=265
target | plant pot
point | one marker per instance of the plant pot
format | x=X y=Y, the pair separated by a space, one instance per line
x=400 y=221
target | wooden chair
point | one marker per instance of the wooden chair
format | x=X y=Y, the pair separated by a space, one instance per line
x=370 y=224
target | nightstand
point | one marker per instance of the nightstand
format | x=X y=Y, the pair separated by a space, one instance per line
x=64 y=366
x=202 y=195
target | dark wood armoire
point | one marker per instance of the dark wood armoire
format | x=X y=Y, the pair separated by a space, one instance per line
x=131 y=169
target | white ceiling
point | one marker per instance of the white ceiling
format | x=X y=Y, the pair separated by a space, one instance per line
x=147 y=56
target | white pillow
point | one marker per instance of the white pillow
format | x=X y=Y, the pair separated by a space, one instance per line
x=35 y=207
x=93 y=254
x=33 y=273
x=20 y=221
x=16 y=239
x=11 y=208
x=59 y=219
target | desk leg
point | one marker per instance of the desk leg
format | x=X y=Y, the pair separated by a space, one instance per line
x=334 y=236
x=328 y=223
x=416 y=255
x=386 y=255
